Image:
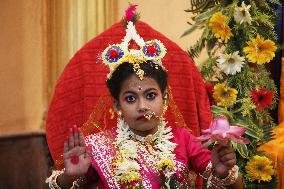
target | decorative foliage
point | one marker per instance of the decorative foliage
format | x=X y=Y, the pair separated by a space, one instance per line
x=240 y=37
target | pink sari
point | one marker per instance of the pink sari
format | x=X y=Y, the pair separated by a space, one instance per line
x=189 y=158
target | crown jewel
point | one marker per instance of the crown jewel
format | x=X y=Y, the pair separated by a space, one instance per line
x=116 y=54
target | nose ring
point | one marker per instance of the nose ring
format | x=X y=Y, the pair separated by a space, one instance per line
x=144 y=109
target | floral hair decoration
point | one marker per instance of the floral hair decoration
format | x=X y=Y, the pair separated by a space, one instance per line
x=116 y=54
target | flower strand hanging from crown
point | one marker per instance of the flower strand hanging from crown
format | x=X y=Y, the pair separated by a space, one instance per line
x=116 y=54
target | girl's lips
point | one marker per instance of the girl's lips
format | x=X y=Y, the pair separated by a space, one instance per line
x=142 y=118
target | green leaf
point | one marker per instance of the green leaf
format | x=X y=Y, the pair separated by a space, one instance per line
x=206 y=15
x=275 y=2
x=252 y=132
x=190 y=30
x=218 y=111
x=241 y=149
x=199 y=6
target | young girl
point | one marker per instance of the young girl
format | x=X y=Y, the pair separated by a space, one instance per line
x=143 y=150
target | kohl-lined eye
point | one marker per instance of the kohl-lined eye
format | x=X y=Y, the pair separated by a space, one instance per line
x=151 y=95
x=130 y=98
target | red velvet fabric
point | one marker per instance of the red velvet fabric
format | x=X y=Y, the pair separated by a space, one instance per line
x=83 y=81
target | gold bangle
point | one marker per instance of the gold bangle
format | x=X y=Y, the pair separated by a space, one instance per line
x=218 y=183
x=221 y=183
x=206 y=174
x=76 y=182
x=53 y=178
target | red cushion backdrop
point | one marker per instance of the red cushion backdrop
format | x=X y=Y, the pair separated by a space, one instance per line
x=83 y=81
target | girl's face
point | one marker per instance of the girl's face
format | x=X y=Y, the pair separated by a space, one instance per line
x=140 y=98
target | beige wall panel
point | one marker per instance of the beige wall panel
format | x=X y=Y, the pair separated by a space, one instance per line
x=21 y=68
x=168 y=17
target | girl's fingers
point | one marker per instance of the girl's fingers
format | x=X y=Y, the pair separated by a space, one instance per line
x=230 y=163
x=71 y=139
x=65 y=148
x=227 y=157
x=81 y=138
x=76 y=135
x=217 y=147
x=88 y=152
x=224 y=151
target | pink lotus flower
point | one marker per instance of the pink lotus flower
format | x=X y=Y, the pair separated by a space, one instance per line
x=130 y=12
x=221 y=131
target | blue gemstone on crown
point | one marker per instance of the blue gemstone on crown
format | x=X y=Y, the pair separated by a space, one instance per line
x=114 y=53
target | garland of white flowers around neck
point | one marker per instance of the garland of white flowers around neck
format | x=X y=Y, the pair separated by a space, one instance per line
x=126 y=168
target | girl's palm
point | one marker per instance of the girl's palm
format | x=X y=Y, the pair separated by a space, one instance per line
x=77 y=158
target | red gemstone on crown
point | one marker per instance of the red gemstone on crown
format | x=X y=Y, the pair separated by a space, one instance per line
x=151 y=49
x=113 y=53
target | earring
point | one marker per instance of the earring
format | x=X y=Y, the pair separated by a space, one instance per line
x=165 y=107
x=165 y=104
x=119 y=114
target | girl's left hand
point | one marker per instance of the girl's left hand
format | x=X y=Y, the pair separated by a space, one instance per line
x=223 y=159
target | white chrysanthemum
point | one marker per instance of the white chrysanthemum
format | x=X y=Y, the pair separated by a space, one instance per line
x=230 y=63
x=242 y=14
x=127 y=165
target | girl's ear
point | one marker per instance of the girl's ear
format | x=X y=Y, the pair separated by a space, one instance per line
x=116 y=106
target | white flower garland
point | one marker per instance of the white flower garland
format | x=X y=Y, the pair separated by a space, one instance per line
x=131 y=33
x=127 y=169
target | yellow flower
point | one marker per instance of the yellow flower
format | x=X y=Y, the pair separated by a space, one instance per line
x=260 y=51
x=166 y=164
x=129 y=177
x=218 y=25
x=225 y=96
x=259 y=168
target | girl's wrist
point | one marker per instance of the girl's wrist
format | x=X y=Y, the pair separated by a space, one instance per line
x=66 y=180
x=220 y=175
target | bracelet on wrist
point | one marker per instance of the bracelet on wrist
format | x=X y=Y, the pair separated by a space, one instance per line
x=52 y=180
x=220 y=183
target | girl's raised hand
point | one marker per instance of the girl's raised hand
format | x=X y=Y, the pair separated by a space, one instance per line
x=223 y=159
x=76 y=156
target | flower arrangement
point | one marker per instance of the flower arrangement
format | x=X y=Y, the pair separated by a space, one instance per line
x=240 y=38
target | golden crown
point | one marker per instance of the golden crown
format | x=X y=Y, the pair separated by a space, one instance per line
x=116 y=54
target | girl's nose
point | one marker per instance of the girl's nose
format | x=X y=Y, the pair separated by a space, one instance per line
x=142 y=106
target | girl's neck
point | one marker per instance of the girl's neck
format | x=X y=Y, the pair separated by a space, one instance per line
x=145 y=133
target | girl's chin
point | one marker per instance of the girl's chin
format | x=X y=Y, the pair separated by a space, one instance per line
x=144 y=130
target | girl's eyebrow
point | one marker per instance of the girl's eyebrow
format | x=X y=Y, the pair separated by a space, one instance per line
x=133 y=92
x=129 y=91
x=150 y=89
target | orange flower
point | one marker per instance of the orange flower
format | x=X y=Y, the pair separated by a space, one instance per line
x=218 y=25
x=260 y=51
